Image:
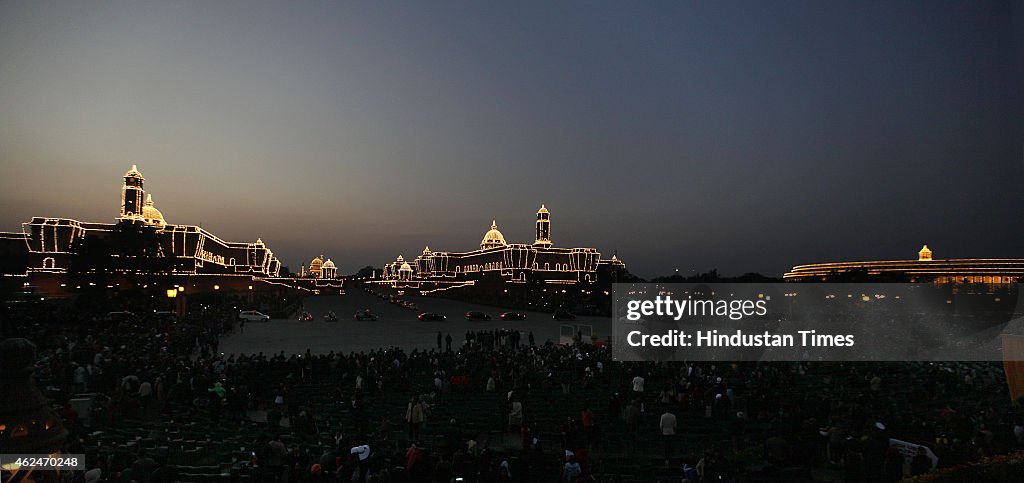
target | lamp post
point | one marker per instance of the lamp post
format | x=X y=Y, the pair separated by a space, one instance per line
x=177 y=296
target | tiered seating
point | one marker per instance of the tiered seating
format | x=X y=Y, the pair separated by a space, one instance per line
x=203 y=451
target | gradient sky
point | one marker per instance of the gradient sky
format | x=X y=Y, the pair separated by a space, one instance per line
x=743 y=136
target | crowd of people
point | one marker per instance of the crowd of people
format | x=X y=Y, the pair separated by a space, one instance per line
x=560 y=412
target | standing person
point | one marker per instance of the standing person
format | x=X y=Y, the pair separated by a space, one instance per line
x=631 y=415
x=278 y=453
x=217 y=393
x=638 y=384
x=515 y=415
x=668 y=432
x=362 y=452
x=448 y=342
x=414 y=458
x=532 y=342
x=571 y=470
x=587 y=420
x=439 y=340
x=414 y=417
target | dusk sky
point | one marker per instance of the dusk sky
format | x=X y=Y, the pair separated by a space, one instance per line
x=742 y=136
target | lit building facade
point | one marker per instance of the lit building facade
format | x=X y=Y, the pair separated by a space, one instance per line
x=140 y=235
x=499 y=261
x=320 y=268
x=925 y=269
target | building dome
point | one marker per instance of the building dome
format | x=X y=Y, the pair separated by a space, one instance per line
x=925 y=254
x=315 y=265
x=493 y=238
x=405 y=267
x=151 y=214
x=328 y=270
x=542 y=209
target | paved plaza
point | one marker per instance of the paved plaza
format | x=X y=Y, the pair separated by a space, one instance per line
x=395 y=326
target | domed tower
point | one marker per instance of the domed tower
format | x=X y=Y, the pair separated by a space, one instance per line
x=543 y=227
x=404 y=270
x=493 y=238
x=925 y=255
x=315 y=265
x=328 y=270
x=131 y=193
x=151 y=214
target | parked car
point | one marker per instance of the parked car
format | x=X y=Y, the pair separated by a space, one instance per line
x=331 y=317
x=365 y=315
x=513 y=316
x=431 y=316
x=253 y=316
x=306 y=317
x=474 y=315
x=563 y=315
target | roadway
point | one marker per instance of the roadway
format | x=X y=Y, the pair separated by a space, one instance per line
x=395 y=326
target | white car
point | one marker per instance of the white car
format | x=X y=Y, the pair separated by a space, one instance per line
x=253 y=316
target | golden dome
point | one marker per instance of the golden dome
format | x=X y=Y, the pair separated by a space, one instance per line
x=316 y=263
x=405 y=267
x=328 y=264
x=542 y=209
x=925 y=254
x=493 y=238
x=151 y=214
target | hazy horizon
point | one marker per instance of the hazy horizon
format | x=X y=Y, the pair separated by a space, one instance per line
x=747 y=137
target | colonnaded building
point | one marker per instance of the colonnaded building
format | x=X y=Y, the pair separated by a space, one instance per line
x=925 y=269
x=502 y=270
x=50 y=253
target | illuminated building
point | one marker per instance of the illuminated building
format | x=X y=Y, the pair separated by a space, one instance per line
x=543 y=227
x=315 y=265
x=139 y=242
x=926 y=268
x=319 y=268
x=499 y=262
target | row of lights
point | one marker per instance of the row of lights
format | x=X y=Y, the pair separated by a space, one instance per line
x=173 y=292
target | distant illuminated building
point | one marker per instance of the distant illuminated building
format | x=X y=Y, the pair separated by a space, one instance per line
x=543 y=227
x=499 y=261
x=991 y=271
x=328 y=270
x=315 y=265
x=139 y=242
x=320 y=268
